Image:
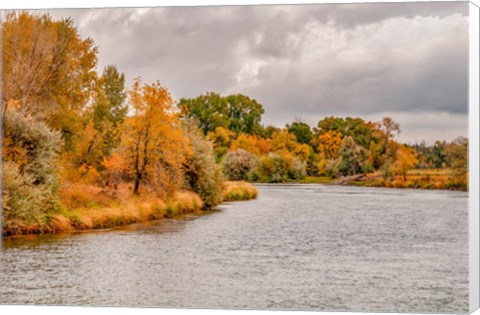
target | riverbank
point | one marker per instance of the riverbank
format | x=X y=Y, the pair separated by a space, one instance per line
x=439 y=179
x=87 y=207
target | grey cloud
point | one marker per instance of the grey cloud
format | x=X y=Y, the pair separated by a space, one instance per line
x=297 y=60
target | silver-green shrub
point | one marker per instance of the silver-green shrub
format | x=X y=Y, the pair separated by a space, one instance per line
x=238 y=164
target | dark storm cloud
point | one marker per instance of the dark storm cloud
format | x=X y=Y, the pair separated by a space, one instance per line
x=297 y=60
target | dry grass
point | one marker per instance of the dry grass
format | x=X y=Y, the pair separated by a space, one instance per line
x=422 y=178
x=239 y=190
x=85 y=207
x=105 y=210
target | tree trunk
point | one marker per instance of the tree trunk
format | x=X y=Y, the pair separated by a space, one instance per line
x=138 y=178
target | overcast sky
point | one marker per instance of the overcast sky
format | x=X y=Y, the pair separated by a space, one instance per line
x=405 y=60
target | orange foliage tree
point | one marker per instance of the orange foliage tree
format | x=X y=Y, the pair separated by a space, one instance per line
x=328 y=144
x=251 y=143
x=153 y=143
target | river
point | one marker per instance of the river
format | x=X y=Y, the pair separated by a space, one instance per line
x=297 y=247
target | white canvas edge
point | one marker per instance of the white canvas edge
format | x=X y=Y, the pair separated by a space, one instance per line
x=51 y=4
x=474 y=157
x=473 y=116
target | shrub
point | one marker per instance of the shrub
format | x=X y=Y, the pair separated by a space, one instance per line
x=398 y=183
x=411 y=184
x=23 y=202
x=201 y=172
x=33 y=147
x=331 y=168
x=30 y=171
x=238 y=164
x=276 y=168
x=298 y=170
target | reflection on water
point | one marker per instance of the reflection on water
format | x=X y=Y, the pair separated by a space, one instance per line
x=297 y=247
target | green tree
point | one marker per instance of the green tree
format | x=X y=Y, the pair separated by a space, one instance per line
x=327 y=124
x=210 y=111
x=238 y=113
x=112 y=84
x=302 y=131
x=109 y=108
x=269 y=131
x=245 y=114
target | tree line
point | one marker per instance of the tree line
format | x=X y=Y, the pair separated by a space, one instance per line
x=335 y=147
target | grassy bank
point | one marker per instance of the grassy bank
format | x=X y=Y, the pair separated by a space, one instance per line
x=239 y=190
x=87 y=207
x=415 y=179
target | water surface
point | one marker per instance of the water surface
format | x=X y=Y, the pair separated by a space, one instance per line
x=297 y=247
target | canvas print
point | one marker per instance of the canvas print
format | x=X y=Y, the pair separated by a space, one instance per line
x=272 y=157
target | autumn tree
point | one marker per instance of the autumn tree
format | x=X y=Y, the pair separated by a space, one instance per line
x=328 y=144
x=82 y=160
x=251 y=143
x=48 y=69
x=153 y=143
x=221 y=139
x=357 y=128
x=456 y=154
x=101 y=128
x=389 y=129
x=405 y=160
x=279 y=168
x=115 y=167
x=270 y=130
x=284 y=142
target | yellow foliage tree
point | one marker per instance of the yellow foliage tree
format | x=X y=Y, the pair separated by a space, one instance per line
x=405 y=160
x=328 y=144
x=284 y=142
x=153 y=143
x=221 y=139
x=47 y=68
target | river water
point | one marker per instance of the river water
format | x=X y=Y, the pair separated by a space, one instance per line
x=297 y=247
